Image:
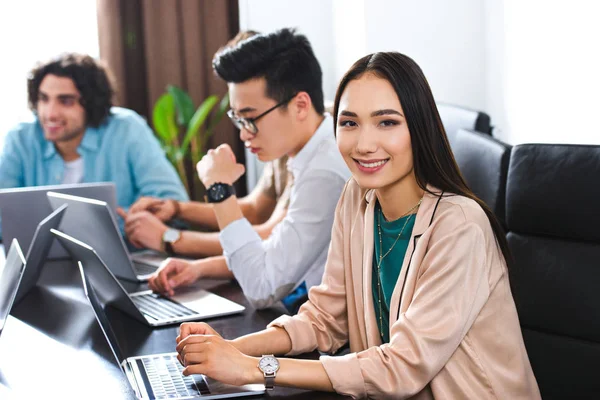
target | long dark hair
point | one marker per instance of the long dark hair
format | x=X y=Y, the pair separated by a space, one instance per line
x=433 y=160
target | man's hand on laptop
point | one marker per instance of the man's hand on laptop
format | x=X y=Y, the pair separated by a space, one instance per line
x=174 y=273
x=165 y=210
x=143 y=229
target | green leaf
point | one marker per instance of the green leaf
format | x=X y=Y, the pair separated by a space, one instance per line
x=218 y=115
x=198 y=120
x=163 y=119
x=183 y=104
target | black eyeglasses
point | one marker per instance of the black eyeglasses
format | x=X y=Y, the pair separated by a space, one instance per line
x=249 y=123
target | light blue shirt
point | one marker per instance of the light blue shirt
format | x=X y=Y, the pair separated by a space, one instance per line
x=122 y=150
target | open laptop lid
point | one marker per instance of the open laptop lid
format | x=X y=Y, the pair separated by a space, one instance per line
x=93 y=222
x=10 y=278
x=22 y=209
x=38 y=251
x=107 y=287
x=101 y=317
x=217 y=390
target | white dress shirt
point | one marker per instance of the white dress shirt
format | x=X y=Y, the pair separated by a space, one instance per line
x=268 y=270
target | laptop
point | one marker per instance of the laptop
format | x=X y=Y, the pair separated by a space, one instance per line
x=146 y=306
x=38 y=251
x=21 y=209
x=159 y=376
x=94 y=222
x=10 y=278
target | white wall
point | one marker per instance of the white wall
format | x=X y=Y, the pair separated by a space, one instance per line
x=312 y=18
x=552 y=71
x=446 y=39
x=532 y=65
x=448 y=43
x=27 y=37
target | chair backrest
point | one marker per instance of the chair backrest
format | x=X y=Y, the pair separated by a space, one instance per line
x=456 y=117
x=553 y=218
x=483 y=162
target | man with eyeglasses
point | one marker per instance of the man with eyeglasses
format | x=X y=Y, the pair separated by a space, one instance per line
x=276 y=97
x=146 y=222
x=77 y=136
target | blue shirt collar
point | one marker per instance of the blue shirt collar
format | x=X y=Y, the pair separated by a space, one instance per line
x=90 y=142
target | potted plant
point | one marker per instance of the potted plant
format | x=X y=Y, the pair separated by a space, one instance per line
x=184 y=130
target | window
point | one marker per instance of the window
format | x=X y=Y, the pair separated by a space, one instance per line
x=31 y=31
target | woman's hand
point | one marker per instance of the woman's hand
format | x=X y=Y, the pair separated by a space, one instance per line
x=215 y=357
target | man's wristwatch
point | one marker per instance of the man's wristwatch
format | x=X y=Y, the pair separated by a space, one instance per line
x=169 y=237
x=218 y=192
x=269 y=366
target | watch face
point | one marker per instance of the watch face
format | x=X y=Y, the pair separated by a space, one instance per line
x=218 y=192
x=171 y=235
x=268 y=364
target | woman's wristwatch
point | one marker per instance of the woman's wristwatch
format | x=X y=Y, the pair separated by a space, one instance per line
x=269 y=366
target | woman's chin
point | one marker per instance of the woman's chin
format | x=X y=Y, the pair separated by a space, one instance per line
x=368 y=183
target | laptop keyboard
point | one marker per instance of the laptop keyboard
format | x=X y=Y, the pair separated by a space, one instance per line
x=159 y=308
x=143 y=269
x=167 y=381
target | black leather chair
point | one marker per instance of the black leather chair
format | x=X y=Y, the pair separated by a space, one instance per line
x=456 y=117
x=553 y=218
x=483 y=162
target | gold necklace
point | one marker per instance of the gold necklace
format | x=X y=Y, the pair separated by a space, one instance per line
x=381 y=257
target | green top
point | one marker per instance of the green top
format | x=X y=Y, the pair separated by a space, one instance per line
x=389 y=269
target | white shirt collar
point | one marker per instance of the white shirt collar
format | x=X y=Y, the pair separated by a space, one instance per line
x=300 y=160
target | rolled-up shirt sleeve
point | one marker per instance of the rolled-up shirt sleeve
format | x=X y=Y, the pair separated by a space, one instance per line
x=268 y=270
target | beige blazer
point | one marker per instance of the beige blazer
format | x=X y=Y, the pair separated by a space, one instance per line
x=454 y=329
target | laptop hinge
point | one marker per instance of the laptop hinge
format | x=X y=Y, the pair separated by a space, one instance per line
x=131 y=371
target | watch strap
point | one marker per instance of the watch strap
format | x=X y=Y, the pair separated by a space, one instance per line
x=169 y=248
x=269 y=381
x=177 y=208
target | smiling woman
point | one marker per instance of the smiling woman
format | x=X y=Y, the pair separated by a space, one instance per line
x=44 y=29
x=416 y=279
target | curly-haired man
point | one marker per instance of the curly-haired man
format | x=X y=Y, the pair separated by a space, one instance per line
x=77 y=136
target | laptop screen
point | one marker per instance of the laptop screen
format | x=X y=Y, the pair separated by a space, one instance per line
x=101 y=317
x=23 y=208
x=9 y=280
x=93 y=222
x=38 y=251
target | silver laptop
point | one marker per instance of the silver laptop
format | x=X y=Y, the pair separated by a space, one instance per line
x=145 y=306
x=10 y=278
x=21 y=209
x=94 y=222
x=159 y=376
x=38 y=251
